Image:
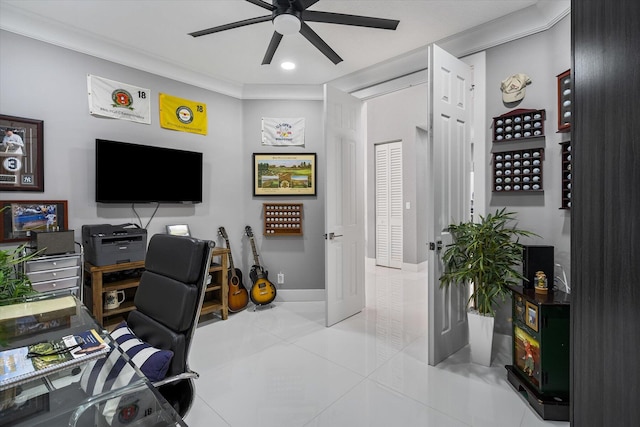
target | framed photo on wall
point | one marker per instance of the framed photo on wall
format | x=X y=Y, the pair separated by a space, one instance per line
x=21 y=154
x=285 y=174
x=21 y=217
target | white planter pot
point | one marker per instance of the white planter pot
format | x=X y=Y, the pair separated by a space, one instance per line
x=480 y=337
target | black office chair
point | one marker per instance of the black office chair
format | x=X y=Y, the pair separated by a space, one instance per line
x=168 y=303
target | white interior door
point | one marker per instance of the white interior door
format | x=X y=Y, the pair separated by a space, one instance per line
x=388 y=168
x=449 y=166
x=344 y=205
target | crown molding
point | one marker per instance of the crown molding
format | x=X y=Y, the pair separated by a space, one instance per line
x=16 y=21
x=377 y=79
x=399 y=72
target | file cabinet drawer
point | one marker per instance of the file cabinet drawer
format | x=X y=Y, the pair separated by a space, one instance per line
x=57 y=274
x=52 y=263
x=54 y=285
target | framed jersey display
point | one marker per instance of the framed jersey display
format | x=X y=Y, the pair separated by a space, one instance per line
x=21 y=154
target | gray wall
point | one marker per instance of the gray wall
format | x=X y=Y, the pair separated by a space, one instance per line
x=542 y=57
x=301 y=259
x=42 y=81
x=394 y=117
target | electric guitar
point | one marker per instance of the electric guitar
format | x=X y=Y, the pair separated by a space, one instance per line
x=262 y=291
x=238 y=296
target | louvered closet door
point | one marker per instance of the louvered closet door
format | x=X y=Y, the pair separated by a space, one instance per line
x=389 y=205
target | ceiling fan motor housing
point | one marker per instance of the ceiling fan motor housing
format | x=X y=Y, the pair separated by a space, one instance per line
x=286 y=20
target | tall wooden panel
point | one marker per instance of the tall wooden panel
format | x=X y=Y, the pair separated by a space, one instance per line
x=605 y=220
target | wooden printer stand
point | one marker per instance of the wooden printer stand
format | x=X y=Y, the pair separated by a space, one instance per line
x=127 y=278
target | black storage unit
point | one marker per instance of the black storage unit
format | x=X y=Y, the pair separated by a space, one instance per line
x=541 y=359
x=537 y=258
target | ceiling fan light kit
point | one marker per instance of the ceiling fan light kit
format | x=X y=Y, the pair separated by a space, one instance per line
x=286 y=24
x=290 y=17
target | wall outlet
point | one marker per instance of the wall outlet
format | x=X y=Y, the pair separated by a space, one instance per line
x=280 y=278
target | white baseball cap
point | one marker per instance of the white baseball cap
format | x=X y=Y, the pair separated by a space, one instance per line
x=513 y=87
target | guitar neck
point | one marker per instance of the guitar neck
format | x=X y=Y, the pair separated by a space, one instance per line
x=230 y=256
x=256 y=261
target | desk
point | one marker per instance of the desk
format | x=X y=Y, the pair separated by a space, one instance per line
x=59 y=400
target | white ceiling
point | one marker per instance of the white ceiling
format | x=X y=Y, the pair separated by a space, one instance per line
x=153 y=35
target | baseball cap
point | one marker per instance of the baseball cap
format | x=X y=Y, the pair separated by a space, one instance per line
x=513 y=87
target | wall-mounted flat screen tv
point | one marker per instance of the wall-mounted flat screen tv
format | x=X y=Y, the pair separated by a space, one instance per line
x=134 y=173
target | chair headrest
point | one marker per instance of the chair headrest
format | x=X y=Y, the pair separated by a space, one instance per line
x=177 y=257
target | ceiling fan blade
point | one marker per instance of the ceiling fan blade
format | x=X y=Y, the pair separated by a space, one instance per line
x=262 y=4
x=315 y=40
x=271 y=50
x=340 y=18
x=303 y=4
x=231 y=26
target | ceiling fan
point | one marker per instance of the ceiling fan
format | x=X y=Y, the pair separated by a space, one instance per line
x=290 y=17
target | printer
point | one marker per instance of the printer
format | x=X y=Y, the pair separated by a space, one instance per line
x=106 y=244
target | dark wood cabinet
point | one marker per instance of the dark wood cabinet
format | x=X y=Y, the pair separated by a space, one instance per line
x=541 y=361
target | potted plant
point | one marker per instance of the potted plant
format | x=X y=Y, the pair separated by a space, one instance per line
x=484 y=254
x=14 y=284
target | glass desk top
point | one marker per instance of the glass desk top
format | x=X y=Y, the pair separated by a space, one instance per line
x=60 y=398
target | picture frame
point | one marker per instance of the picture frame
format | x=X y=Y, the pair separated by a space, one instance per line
x=531 y=316
x=22 y=166
x=284 y=174
x=20 y=217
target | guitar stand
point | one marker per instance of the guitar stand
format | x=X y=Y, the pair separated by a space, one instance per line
x=255 y=306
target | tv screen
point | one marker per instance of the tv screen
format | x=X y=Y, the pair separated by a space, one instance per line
x=133 y=173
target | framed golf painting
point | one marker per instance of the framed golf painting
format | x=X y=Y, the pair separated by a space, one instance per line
x=284 y=174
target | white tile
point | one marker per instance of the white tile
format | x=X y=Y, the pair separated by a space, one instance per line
x=225 y=341
x=458 y=395
x=202 y=415
x=372 y=405
x=283 y=385
x=282 y=367
x=355 y=344
x=289 y=320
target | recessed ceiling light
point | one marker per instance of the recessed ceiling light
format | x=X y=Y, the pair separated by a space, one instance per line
x=288 y=65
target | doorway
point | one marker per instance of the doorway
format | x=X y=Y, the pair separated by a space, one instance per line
x=388 y=204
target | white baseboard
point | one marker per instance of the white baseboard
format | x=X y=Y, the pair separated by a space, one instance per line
x=300 y=295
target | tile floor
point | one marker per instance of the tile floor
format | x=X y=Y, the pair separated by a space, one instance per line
x=282 y=367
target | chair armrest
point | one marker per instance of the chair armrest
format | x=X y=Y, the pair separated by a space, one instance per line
x=103 y=397
x=183 y=376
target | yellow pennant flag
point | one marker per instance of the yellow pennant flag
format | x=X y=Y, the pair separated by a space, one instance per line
x=183 y=115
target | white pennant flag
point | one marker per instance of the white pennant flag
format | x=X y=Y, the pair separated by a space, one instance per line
x=108 y=98
x=282 y=131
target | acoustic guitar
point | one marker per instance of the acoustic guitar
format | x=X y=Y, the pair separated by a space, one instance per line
x=262 y=291
x=238 y=295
